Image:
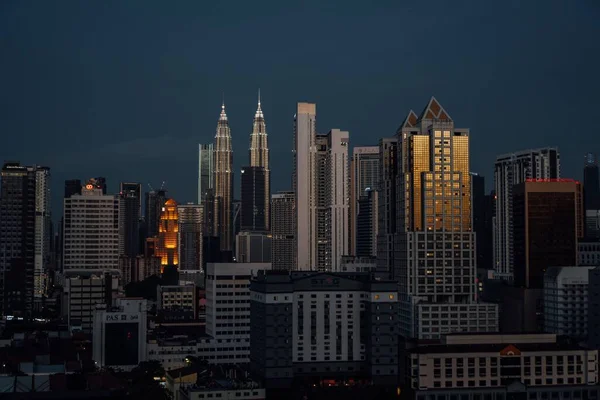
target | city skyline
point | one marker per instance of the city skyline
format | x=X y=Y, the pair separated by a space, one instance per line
x=153 y=96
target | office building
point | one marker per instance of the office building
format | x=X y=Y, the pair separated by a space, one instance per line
x=119 y=334
x=223 y=181
x=191 y=220
x=500 y=367
x=253 y=206
x=18 y=238
x=483 y=222
x=321 y=187
x=591 y=200
x=83 y=290
x=155 y=200
x=259 y=158
x=206 y=166
x=43 y=232
x=283 y=231
x=593 y=316
x=565 y=300
x=364 y=174
x=177 y=299
x=253 y=247
x=72 y=186
x=435 y=261
x=367 y=225
x=92 y=248
x=387 y=201
x=133 y=189
x=138 y=268
x=510 y=170
x=326 y=325
x=130 y=222
x=588 y=253
x=547 y=222
x=168 y=237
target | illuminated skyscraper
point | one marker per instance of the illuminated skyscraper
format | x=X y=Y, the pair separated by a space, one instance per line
x=435 y=244
x=224 y=181
x=259 y=158
x=168 y=234
x=205 y=170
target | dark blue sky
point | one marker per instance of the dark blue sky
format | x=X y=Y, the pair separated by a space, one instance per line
x=127 y=89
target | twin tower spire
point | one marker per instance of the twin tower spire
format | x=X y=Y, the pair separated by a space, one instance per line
x=223 y=171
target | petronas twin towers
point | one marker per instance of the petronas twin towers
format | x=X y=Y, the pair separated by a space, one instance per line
x=215 y=178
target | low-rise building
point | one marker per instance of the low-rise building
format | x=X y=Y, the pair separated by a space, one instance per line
x=566 y=301
x=120 y=334
x=492 y=366
x=588 y=253
x=324 y=326
x=83 y=290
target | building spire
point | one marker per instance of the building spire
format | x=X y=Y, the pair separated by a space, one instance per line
x=259 y=113
x=223 y=116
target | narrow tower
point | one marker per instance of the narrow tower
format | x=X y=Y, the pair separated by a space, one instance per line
x=223 y=181
x=259 y=157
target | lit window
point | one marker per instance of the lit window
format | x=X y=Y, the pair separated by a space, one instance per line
x=391 y=297
x=376 y=297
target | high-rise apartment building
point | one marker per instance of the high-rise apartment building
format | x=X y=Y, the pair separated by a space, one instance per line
x=155 y=200
x=18 y=242
x=283 y=231
x=547 y=222
x=510 y=170
x=43 y=231
x=168 y=237
x=133 y=189
x=435 y=261
x=253 y=206
x=364 y=174
x=92 y=230
x=223 y=181
x=591 y=189
x=321 y=186
x=206 y=166
x=253 y=247
x=191 y=220
x=259 y=158
x=388 y=172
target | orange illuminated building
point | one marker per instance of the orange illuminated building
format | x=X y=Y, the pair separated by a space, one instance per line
x=168 y=231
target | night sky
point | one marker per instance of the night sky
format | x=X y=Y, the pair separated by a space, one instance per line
x=127 y=89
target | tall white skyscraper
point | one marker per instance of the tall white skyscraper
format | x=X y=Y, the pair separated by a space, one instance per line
x=510 y=170
x=304 y=184
x=92 y=229
x=321 y=187
x=43 y=223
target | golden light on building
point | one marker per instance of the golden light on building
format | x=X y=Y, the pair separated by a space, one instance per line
x=168 y=231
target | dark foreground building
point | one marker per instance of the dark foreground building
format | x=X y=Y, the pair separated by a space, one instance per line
x=311 y=328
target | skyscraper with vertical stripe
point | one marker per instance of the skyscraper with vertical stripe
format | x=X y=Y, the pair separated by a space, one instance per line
x=259 y=157
x=223 y=182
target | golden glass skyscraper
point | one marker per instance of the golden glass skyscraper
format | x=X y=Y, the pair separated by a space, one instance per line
x=435 y=244
x=223 y=182
x=168 y=231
